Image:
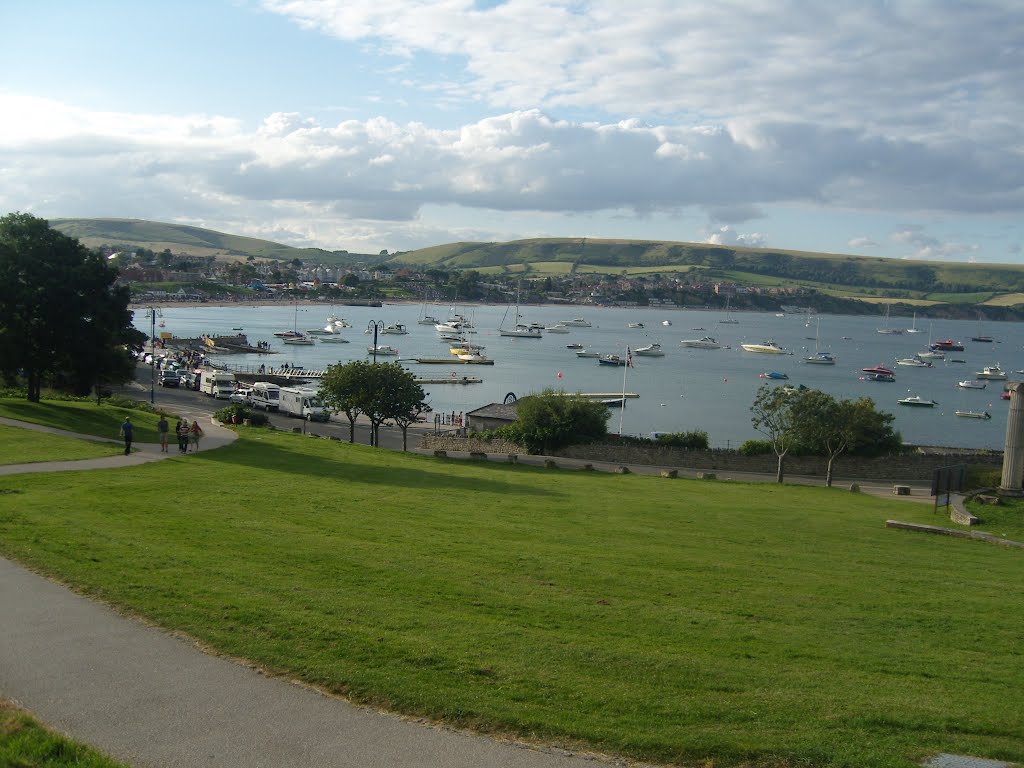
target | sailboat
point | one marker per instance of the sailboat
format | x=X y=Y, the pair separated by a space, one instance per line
x=424 y=318
x=519 y=330
x=887 y=329
x=913 y=326
x=819 y=358
x=728 y=315
x=981 y=337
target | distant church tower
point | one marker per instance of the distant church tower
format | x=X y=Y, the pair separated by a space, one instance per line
x=1013 y=452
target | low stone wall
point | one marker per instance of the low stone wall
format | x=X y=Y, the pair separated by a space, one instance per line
x=451 y=443
x=914 y=467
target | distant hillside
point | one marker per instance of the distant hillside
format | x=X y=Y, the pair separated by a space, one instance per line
x=195 y=241
x=837 y=274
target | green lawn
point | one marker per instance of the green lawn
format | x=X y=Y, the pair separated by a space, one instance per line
x=669 y=620
x=22 y=446
x=26 y=744
x=83 y=417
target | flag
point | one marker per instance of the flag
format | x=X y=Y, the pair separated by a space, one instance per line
x=629 y=358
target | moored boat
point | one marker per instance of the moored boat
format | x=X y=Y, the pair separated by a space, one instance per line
x=972 y=384
x=886 y=377
x=974 y=414
x=651 y=350
x=917 y=401
x=766 y=348
x=947 y=346
x=879 y=369
x=707 y=342
x=773 y=375
x=586 y=353
x=914 y=362
x=611 y=360
x=576 y=322
x=991 y=372
x=557 y=328
x=821 y=358
x=382 y=349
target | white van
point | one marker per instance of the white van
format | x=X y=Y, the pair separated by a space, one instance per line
x=266 y=395
x=218 y=384
x=302 y=403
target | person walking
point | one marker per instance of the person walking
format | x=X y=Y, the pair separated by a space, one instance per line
x=126 y=433
x=163 y=428
x=181 y=430
x=196 y=432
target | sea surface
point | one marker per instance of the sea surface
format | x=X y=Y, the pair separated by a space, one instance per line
x=687 y=389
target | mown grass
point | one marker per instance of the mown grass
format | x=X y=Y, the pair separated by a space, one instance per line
x=676 y=620
x=23 y=446
x=26 y=744
x=83 y=417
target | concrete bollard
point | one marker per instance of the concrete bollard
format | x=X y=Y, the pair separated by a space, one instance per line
x=706 y=476
x=670 y=473
x=513 y=458
x=901 y=490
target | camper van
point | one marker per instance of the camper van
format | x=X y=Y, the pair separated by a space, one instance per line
x=218 y=384
x=266 y=395
x=303 y=404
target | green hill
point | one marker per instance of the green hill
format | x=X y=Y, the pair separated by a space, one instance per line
x=195 y=241
x=839 y=274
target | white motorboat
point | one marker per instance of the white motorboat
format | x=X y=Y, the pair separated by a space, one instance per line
x=557 y=328
x=666 y=322
x=706 y=342
x=974 y=414
x=917 y=401
x=586 y=353
x=651 y=350
x=574 y=345
x=991 y=372
x=634 y=325
x=338 y=322
x=913 y=362
x=336 y=338
x=972 y=384
x=395 y=328
x=611 y=360
x=382 y=349
x=765 y=348
x=576 y=322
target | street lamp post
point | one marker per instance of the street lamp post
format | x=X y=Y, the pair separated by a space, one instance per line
x=152 y=356
x=376 y=325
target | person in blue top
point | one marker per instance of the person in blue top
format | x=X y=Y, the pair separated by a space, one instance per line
x=126 y=433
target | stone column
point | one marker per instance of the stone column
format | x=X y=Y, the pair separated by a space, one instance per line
x=1013 y=452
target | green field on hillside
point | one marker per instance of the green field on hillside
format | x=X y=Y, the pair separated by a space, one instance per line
x=670 y=620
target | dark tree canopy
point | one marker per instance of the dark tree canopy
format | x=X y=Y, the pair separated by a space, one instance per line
x=62 y=320
x=380 y=391
x=551 y=420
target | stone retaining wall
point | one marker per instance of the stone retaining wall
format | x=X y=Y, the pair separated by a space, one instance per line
x=915 y=467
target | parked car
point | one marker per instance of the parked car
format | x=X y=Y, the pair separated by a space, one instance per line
x=169 y=378
x=243 y=396
x=189 y=380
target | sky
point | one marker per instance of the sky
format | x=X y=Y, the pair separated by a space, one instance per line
x=888 y=128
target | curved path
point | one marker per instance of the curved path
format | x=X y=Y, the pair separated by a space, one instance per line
x=151 y=698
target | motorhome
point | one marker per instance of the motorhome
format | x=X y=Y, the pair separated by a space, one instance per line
x=266 y=395
x=303 y=403
x=218 y=384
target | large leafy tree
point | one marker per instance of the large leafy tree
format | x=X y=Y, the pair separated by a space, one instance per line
x=379 y=391
x=62 y=320
x=551 y=420
x=773 y=417
x=343 y=387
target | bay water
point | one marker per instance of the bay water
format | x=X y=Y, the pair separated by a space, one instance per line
x=687 y=389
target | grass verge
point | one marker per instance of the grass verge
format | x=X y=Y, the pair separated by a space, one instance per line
x=24 y=743
x=22 y=446
x=83 y=417
x=668 y=620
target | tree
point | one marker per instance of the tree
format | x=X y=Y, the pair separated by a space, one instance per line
x=773 y=417
x=61 y=317
x=551 y=420
x=342 y=388
x=404 y=397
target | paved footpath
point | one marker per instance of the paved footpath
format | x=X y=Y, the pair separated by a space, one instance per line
x=149 y=698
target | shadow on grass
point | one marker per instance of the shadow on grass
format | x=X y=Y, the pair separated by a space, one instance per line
x=366 y=465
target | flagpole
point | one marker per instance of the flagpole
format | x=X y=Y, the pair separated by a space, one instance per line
x=622 y=402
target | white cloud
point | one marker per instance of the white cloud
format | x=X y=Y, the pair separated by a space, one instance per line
x=929 y=248
x=862 y=242
x=728 y=236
